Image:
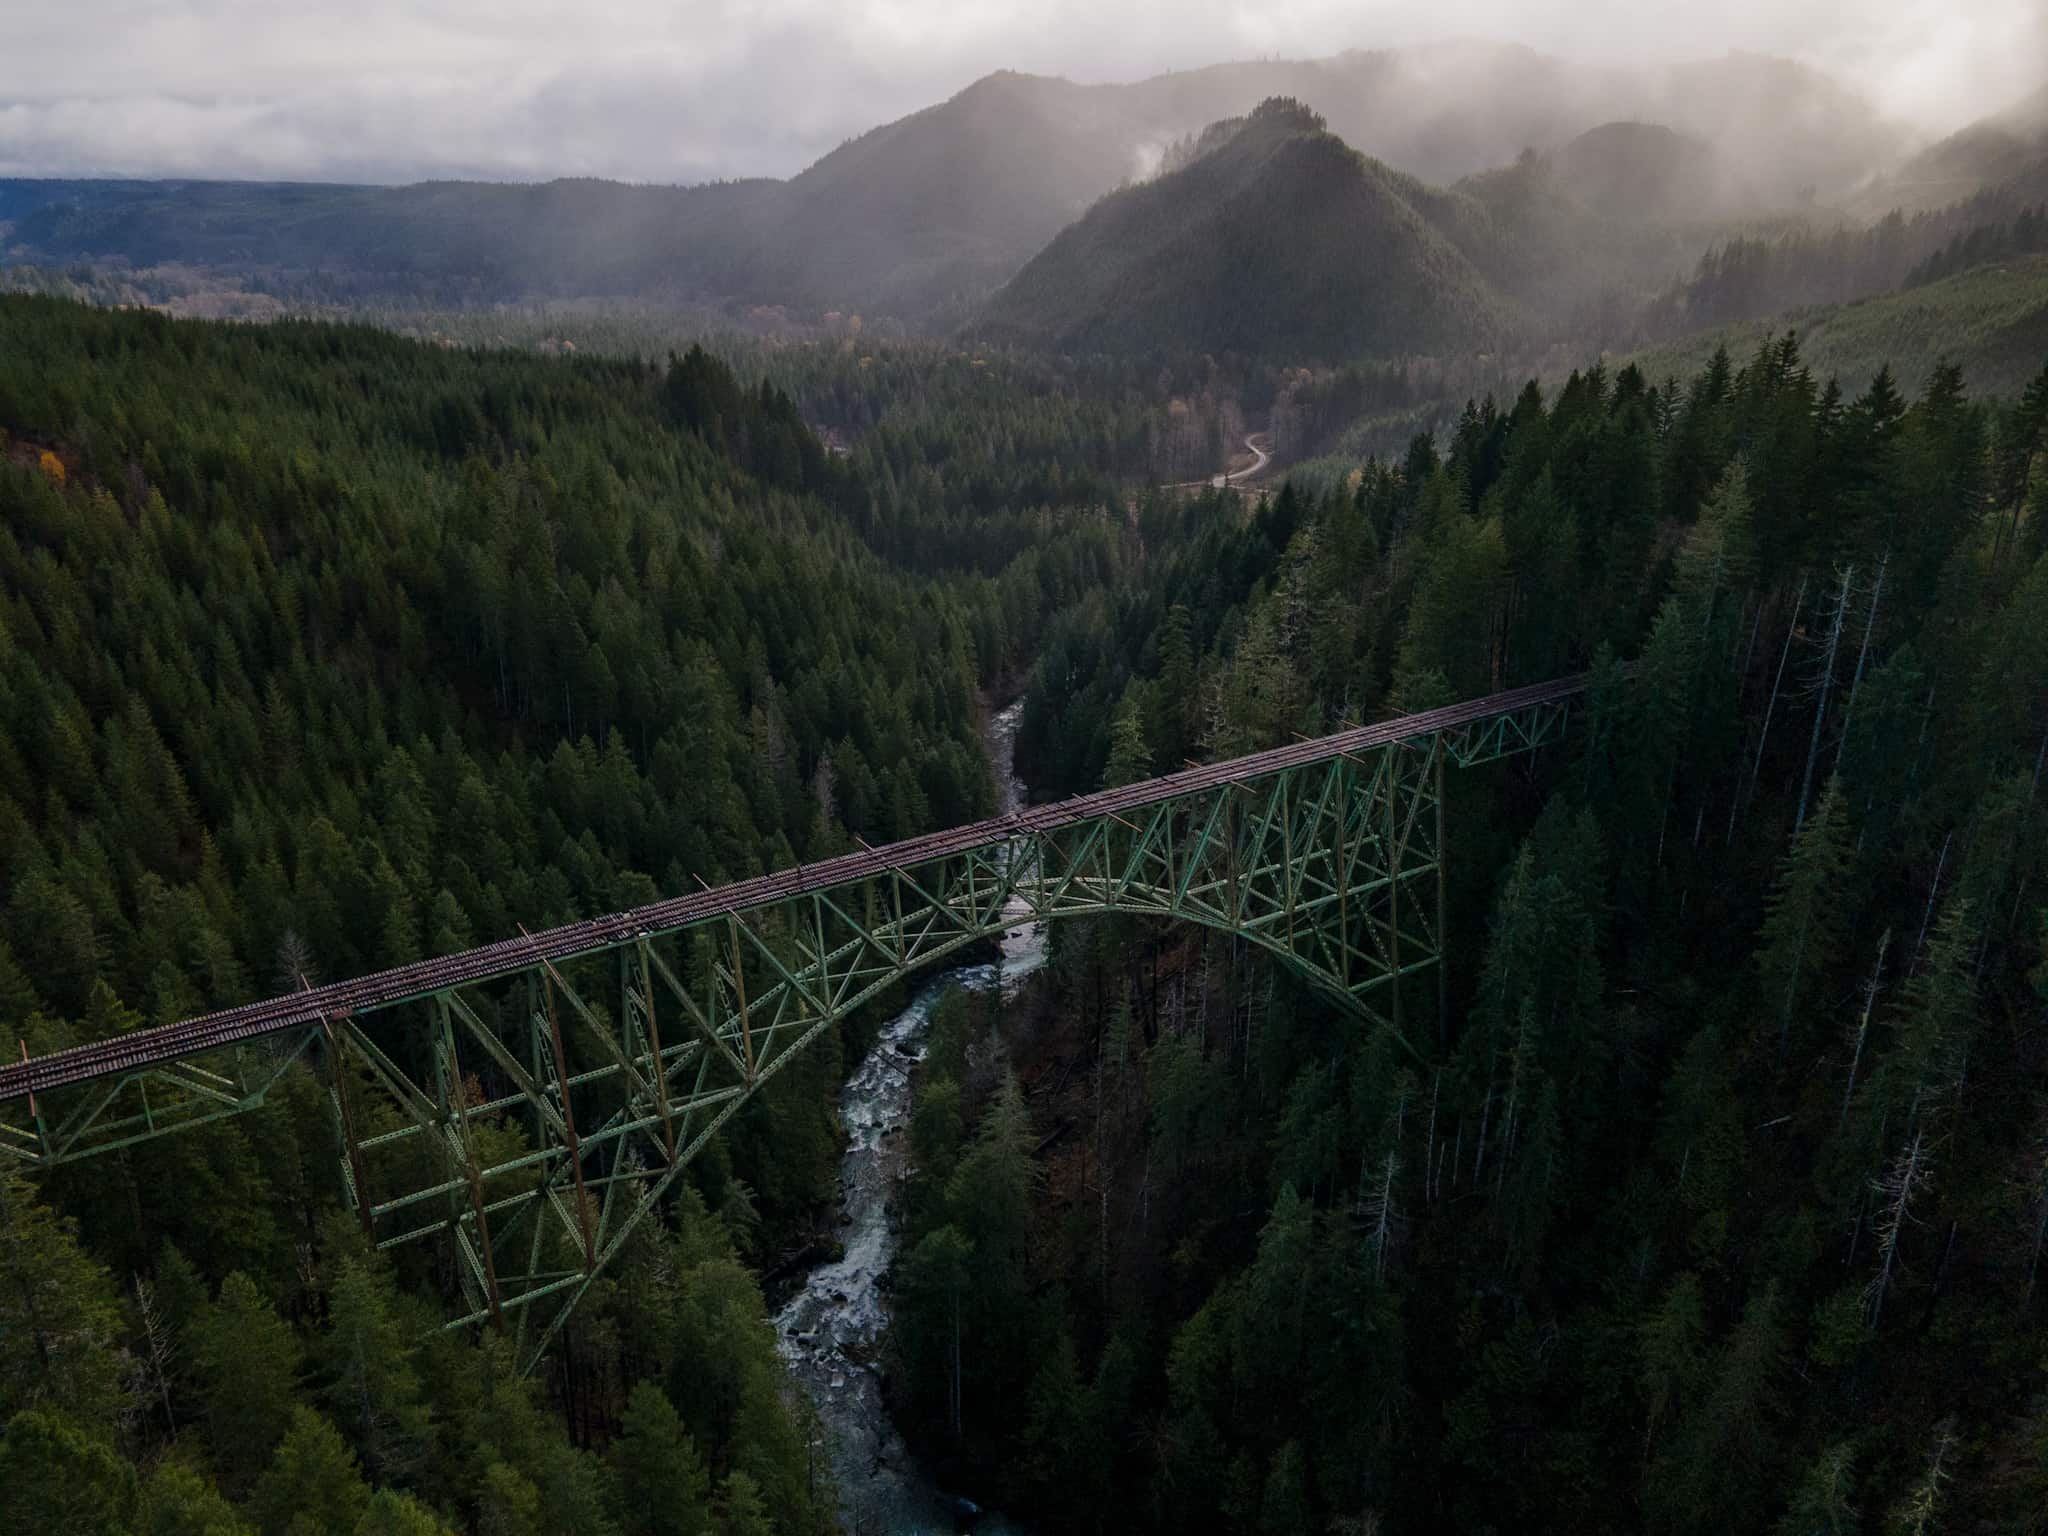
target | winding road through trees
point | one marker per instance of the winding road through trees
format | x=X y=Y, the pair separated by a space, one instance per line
x=1260 y=459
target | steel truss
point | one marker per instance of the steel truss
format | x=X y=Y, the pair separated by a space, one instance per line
x=531 y=1110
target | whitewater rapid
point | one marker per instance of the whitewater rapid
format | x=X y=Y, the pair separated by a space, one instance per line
x=831 y=1331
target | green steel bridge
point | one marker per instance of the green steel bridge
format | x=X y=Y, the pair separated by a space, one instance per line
x=529 y=1102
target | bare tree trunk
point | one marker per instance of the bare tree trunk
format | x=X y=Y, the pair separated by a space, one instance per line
x=1749 y=650
x=1863 y=1025
x=2019 y=886
x=1862 y=655
x=1770 y=708
x=1382 y=1214
x=1906 y=1178
x=1429 y=1155
x=1934 y=889
x=158 y=1347
x=1827 y=685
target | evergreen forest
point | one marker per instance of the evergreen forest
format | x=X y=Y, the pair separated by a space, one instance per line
x=1713 y=1197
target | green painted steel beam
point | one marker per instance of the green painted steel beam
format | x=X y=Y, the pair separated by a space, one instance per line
x=539 y=1115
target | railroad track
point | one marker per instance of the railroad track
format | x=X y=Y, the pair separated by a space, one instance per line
x=382 y=989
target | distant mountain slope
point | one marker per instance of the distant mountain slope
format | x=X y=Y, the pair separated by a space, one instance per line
x=1448 y=110
x=447 y=240
x=932 y=211
x=2006 y=148
x=924 y=217
x=1642 y=171
x=1796 y=136
x=1992 y=320
x=1282 y=242
x=938 y=208
x=1586 y=234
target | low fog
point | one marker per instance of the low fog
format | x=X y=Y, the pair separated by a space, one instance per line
x=659 y=91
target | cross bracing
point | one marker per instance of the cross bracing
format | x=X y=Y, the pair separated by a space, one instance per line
x=527 y=1103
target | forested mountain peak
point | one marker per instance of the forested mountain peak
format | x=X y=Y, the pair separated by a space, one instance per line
x=1281 y=241
x=1707 y=1196
x=923 y=217
x=1639 y=170
x=1283 y=114
x=1996 y=149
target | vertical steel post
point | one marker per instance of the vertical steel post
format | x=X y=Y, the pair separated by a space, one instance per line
x=456 y=1099
x=345 y=1122
x=35 y=1114
x=1283 y=790
x=668 y=1129
x=1392 y=779
x=739 y=987
x=1348 y=777
x=569 y=1125
x=1443 y=995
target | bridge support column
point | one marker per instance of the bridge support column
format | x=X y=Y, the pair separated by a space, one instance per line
x=355 y=1177
x=1302 y=852
x=1443 y=994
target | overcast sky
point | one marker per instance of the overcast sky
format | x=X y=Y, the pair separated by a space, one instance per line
x=685 y=90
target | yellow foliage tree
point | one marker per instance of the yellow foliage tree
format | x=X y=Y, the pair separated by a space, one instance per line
x=52 y=466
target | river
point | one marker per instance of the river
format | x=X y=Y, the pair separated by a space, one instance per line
x=831 y=1331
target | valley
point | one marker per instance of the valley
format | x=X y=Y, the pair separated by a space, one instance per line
x=1287 y=795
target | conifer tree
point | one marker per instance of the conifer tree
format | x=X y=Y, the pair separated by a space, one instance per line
x=1807 y=914
x=1129 y=757
x=1174 y=697
x=1718 y=557
x=1057 y=1427
x=1714 y=1468
x=1276 y=1317
x=1669 y=1342
x=60 y=1324
x=180 y=1500
x=1935 y=1020
x=1822 y=1500
x=936 y=1275
x=396 y=1514
x=245 y=1362
x=741 y=1509
x=59 y=1476
x=312 y=1486
x=664 y=1489
x=375 y=1394
x=510 y=1505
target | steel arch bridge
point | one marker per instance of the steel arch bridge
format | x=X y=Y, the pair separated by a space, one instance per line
x=530 y=1101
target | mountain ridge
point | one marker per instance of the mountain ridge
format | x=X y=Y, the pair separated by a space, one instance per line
x=1281 y=241
x=921 y=217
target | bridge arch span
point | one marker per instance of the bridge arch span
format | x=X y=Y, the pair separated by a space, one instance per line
x=619 y=1046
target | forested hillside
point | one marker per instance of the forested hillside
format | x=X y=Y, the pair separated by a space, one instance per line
x=1716 y=1203
x=1991 y=151
x=922 y=218
x=1279 y=241
x=1989 y=319
x=321 y=651
x=1760 y=275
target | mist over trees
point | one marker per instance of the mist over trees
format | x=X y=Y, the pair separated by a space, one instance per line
x=1715 y=1208
x=1712 y=1199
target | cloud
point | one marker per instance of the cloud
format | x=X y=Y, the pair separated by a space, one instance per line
x=686 y=90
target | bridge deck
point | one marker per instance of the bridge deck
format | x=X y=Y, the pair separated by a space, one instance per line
x=362 y=994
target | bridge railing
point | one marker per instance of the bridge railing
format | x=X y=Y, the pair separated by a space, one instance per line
x=527 y=1103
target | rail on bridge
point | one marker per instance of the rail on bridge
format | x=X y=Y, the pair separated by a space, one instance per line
x=531 y=1100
